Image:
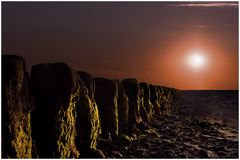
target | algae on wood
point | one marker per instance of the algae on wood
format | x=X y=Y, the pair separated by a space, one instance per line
x=88 y=120
x=123 y=109
x=16 y=107
x=132 y=90
x=106 y=96
x=56 y=90
x=147 y=104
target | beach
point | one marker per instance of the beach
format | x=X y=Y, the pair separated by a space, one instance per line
x=204 y=126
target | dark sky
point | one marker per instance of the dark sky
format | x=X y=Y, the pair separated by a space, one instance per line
x=148 y=41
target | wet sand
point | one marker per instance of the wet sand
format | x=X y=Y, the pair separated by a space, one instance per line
x=213 y=106
x=206 y=126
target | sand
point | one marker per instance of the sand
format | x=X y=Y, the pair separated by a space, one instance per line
x=206 y=126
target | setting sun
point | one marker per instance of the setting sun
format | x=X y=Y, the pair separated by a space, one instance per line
x=196 y=60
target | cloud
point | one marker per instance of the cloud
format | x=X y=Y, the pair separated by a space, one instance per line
x=214 y=26
x=200 y=26
x=204 y=5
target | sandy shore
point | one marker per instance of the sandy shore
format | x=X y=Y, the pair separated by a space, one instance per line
x=205 y=127
x=213 y=106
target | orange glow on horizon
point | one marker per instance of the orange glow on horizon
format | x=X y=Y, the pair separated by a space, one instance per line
x=215 y=69
x=192 y=47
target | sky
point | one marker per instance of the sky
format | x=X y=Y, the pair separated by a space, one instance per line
x=149 y=41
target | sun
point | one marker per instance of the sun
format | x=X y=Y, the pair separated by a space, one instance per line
x=196 y=60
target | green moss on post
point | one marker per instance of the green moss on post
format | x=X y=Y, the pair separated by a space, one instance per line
x=155 y=99
x=88 y=120
x=57 y=90
x=148 y=106
x=88 y=123
x=16 y=107
x=123 y=108
x=67 y=132
x=132 y=90
x=106 y=96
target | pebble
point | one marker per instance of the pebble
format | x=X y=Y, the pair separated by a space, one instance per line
x=203 y=139
x=117 y=154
